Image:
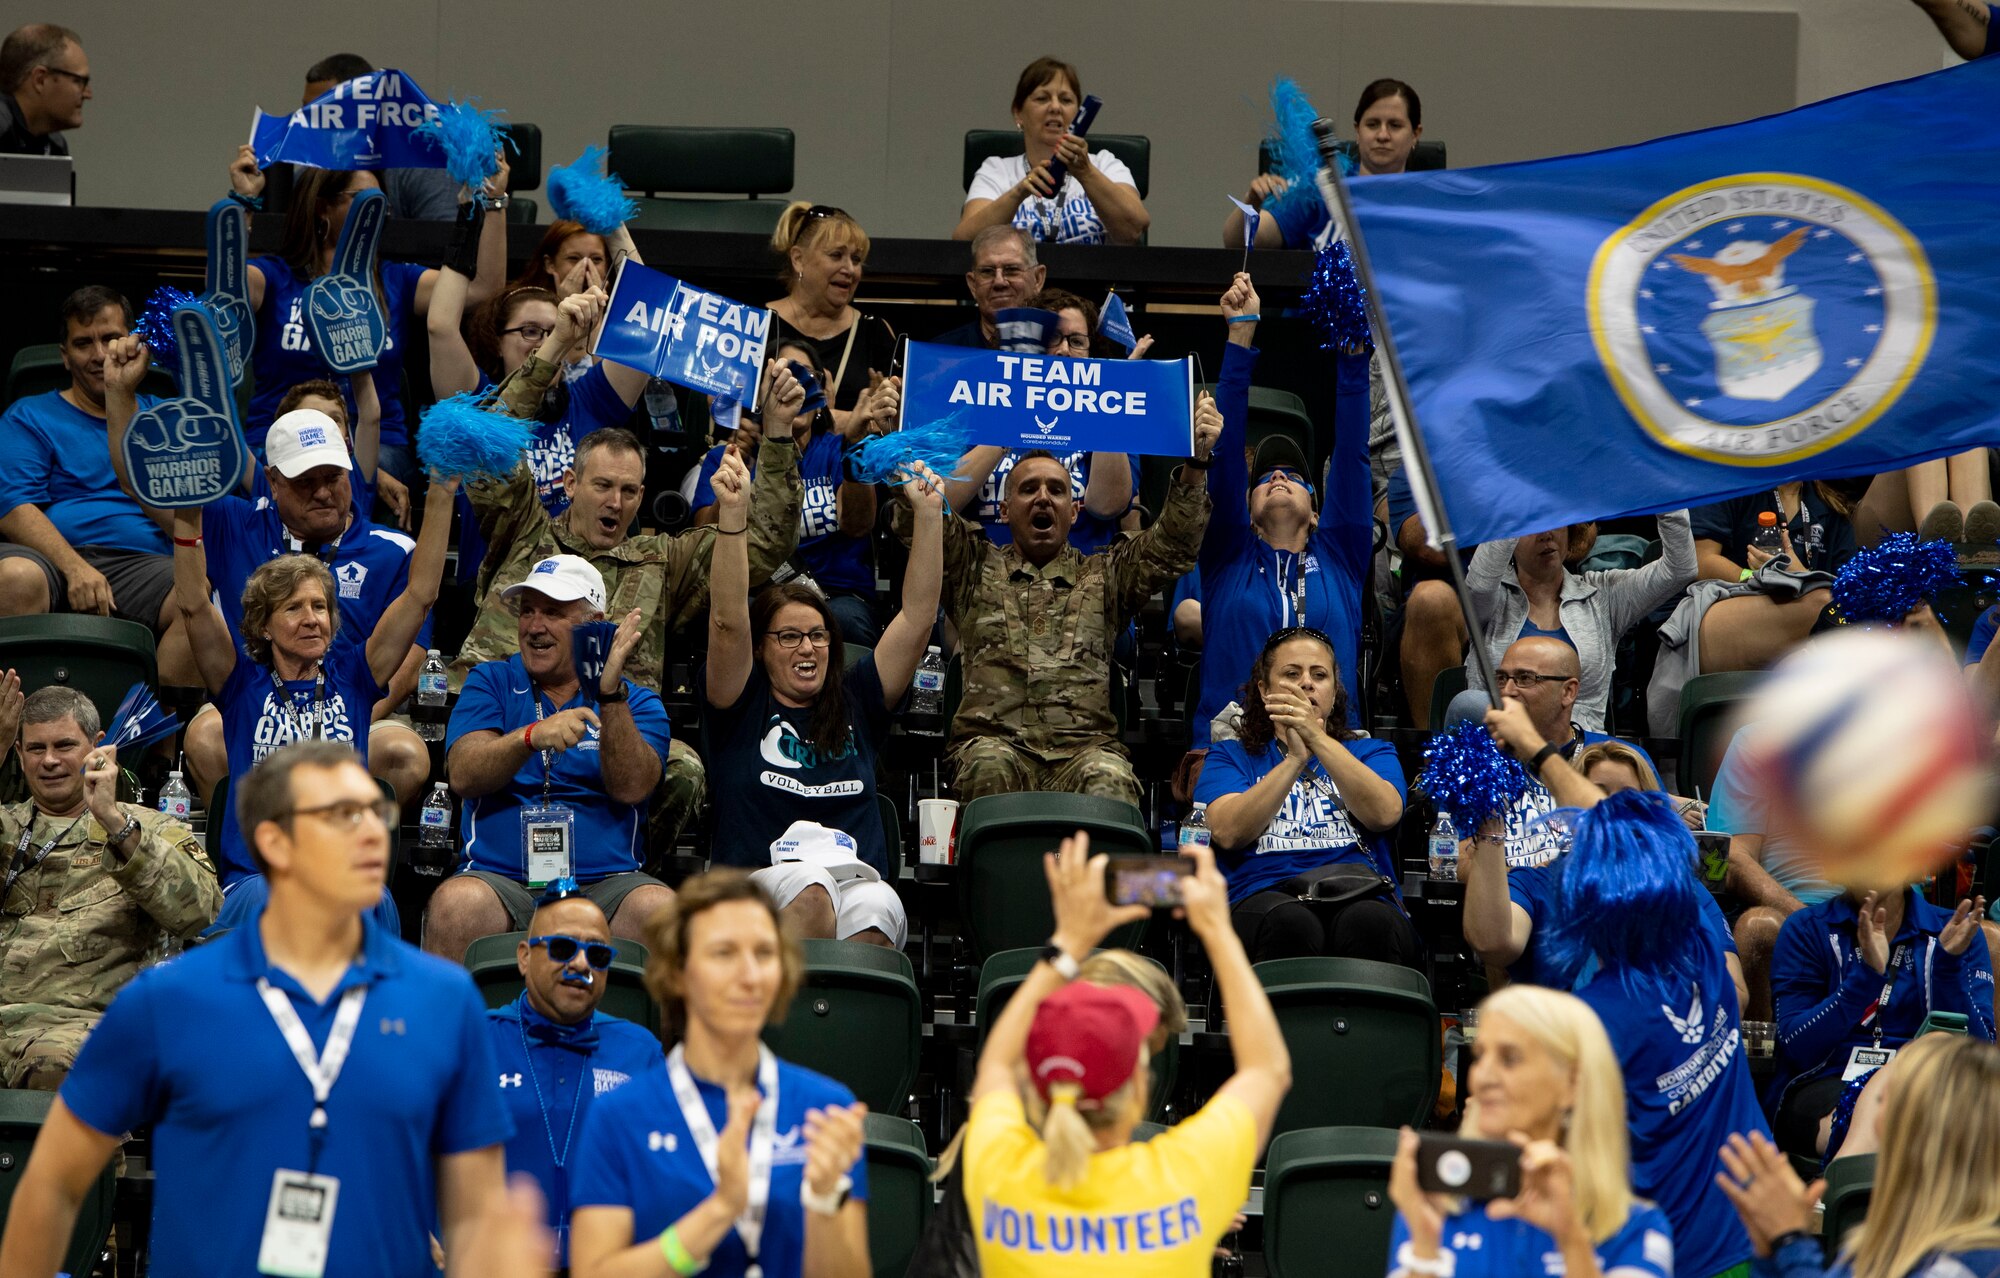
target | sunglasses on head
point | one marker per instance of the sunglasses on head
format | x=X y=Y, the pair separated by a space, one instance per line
x=1290 y=633
x=563 y=948
x=818 y=211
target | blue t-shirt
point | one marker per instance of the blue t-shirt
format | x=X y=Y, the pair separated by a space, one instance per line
x=58 y=457
x=284 y=356
x=1982 y=629
x=1312 y=827
x=635 y=1152
x=765 y=772
x=1089 y=533
x=592 y=404
x=609 y=837
x=190 y=1048
x=1485 y=1247
x=834 y=560
x=1532 y=843
x=370 y=564
x=1534 y=890
x=547 y=1091
x=1740 y=804
x=257 y=719
x=1687 y=1087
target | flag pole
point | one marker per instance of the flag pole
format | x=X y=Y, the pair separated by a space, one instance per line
x=1416 y=455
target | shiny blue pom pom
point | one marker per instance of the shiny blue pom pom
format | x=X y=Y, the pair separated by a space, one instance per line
x=1336 y=304
x=1469 y=778
x=1891 y=579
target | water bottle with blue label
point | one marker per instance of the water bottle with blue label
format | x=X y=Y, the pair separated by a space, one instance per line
x=434 y=840
x=433 y=690
x=1444 y=848
x=1194 y=828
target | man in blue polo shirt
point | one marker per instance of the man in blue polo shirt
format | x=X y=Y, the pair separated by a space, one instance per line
x=555 y=775
x=555 y=1050
x=317 y=1089
x=74 y=541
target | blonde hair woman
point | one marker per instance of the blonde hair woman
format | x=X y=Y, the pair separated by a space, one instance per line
x=1544 y=1076
x=1935 y=1211
x=823 y=251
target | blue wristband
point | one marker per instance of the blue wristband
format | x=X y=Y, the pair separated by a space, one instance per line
x=1244 y=319
x=255 y=203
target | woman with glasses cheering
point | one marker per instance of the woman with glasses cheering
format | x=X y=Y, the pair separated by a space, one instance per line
x=793 y=731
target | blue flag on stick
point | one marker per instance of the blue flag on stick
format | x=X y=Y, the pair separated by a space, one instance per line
x=1114 y=323
x=684 y=334
x=369 y=122
x=1699 y=317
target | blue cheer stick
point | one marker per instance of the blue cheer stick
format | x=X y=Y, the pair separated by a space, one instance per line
x=341 y=309
x=190 y=451
x=228 y=293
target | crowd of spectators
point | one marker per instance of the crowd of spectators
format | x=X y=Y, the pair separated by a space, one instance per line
x=318 y=1093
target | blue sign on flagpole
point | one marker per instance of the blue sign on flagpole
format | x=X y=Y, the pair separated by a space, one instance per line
x=683 y=334
x=369 y=122
x=1053 y=402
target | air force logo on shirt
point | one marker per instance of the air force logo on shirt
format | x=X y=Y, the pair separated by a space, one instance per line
x=350 y=577
x=1684 y=1084
x=790 y=1149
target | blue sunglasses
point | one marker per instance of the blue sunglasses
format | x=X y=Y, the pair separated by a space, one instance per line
x=563 y=948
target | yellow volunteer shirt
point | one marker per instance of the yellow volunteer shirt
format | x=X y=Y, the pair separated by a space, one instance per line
x=1150 y=1210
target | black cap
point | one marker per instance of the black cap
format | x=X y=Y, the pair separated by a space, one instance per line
x=1279 y=451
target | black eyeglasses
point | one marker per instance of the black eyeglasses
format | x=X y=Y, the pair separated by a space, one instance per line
x=818 y=637
x=82 y=81
x=563 y=948
x=348 y=813
x=534 y=334
x=1524 y=678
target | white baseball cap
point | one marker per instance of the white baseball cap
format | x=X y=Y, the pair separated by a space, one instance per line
x=305 y=438
x=562 y=578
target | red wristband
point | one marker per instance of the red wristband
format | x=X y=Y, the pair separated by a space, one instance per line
x=189 y=542
x=528 y=736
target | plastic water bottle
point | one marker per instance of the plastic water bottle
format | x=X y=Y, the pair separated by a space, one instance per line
x=433 y=688
x=664 y=410
x=1444 y=848
x=927 y=694
x=1770 y=539
x=435 y=834
x=174 y=799
x=1194 y=828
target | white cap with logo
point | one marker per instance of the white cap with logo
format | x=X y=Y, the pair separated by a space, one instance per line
x=303 y=439
x=563 y=578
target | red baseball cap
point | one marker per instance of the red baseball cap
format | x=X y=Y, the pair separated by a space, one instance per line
x=1089 y=1035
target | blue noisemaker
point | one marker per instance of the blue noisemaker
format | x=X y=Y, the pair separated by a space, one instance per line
x=140 y=721
x=590 y=644
x=459 y=435
x=469 y=138
x=891 y=458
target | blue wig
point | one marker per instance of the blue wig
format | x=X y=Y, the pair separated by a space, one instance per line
x=1891 y=579
x=469 y=137
x=1469 y=778
x=1627 y=896
x=583 y=192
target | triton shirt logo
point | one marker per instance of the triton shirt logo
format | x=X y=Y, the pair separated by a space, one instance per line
x=1760 y=319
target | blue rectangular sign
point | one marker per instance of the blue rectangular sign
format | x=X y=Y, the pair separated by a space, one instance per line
x=1052 y=401
x=368 y=122
x=683 y=334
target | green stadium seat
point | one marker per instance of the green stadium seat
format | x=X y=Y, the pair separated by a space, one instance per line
x=36 y=370
x=490 y=959
x=1708 y=706
x=857 y=1019
x=1850 y=1184
x=101 y=657
x=1003 y=898
x=1364 y=1042
x=899 y=1191
x=1135 y=149
x=22 y=1114
x=1323 y=1183
x=1004 y=973
x=1449 y=683
x=1277 y=412
x=524 y=157
x=752 y=163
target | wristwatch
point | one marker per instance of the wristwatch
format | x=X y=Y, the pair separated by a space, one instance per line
x=1058 y=958
x=828 y=1204
x=126 y=831
x=613 y=698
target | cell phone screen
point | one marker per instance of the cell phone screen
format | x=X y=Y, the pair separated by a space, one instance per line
x=1152 y=881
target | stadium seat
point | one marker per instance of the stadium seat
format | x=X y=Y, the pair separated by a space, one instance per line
x=1135 y=149
x=892 y=832
x=857 y=1018
x=101 y=657
x=1003 y=898
x=1615 y=550
x=490 y=959
x=1277 y=412
x=1450 y=681
x=1323 y=1183
x=1850 y=1183
x=1707 y=723
x=1429 y=154
x=524 y=172
x=853 y=653
x=1364 y=1042
x=22 y=1114
x=1004 y=973
x=899 y=1190
x=752 y=163
x=36 y=370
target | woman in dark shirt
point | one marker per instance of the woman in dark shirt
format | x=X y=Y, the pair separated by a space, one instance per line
x=824 y=252
x=1749 y=631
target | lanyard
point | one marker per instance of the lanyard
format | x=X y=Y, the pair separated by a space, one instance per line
x=326 y=553
x=22 y=864
x=286 y=702
x=763 y=1140
x=561 y=1157
x=548 y=756
x=1291 y=588
x=1878 y=1010
x=322 y=1070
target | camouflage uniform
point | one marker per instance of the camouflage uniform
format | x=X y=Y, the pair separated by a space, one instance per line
x=81 y=923
x=664 y=576
x=1037 y=650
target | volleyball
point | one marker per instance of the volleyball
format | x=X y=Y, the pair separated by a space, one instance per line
x=1874 y=753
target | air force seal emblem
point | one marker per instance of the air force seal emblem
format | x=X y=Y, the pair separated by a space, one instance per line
x=1760 y=319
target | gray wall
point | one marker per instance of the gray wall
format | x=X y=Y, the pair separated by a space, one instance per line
x=880 y=92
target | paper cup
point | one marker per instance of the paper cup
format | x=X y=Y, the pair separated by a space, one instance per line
x=937 y=831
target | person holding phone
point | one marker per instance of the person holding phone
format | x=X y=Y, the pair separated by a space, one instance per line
x=1098 y=202
x=1299 y=806
x=1545 y=1079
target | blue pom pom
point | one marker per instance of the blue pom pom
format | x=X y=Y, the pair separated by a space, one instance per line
x=1891 y=579
x=460 y=436
x=155 y=326
x=1294 y=149
x=469 y=137
x=582 y=192
x=1627 y=896
x=888 y=459
x=1336 y=304
x=1469 y=778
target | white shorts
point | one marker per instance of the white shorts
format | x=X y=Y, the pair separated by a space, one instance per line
x=858 y=904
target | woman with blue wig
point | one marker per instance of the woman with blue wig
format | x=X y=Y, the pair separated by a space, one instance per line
x=1646 y=947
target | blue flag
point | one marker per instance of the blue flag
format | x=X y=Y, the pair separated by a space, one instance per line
x=1053 y=402
x=683 y=334
x=1114 y=323
x=369 y=122
x=1701 y=317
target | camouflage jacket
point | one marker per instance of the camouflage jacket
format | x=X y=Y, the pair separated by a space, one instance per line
x=663 y=575
x=1037 y=641
x=81 y=922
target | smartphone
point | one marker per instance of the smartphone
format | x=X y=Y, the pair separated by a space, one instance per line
x=1477 y=1169
x=1153 y=881
x=1942 y=1023
x=1712 y=858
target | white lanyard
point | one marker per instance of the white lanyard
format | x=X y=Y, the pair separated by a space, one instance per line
x=322 y=1069
x=763 y=1140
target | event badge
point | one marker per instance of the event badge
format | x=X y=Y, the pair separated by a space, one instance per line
x=298 y=1225
x=547 y=833
x=347 y=326
x=1864 y=1060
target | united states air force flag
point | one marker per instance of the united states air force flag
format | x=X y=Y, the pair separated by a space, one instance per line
x=1812 y=294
